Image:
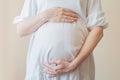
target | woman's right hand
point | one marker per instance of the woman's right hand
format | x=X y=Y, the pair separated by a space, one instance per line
x=56 y=14
x=59 y=14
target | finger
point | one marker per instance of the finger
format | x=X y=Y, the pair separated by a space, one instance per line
x=68 y=10
x=49 y=72
x=58 y=63
x=62 y=71
x=67 y=20
x=58 y=73
x=71 y=14
x=70 y=18
x=52 y=69
x=54 y=75
x=47 y=66
x=58 y=67
x=65 y=11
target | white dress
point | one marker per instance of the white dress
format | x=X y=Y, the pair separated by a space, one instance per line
x=61 y=40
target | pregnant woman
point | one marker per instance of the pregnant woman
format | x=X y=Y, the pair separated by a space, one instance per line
x=64 y=34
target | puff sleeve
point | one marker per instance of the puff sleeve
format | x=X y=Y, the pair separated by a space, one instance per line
x=28 y=10
x=95 y=15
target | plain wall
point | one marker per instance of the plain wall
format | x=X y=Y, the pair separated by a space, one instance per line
x=13 y=49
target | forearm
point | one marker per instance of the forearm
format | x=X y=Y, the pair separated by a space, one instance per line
x=91 y=41
x=30 y=25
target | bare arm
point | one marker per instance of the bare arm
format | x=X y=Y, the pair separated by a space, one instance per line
x=90 y=43
x=30 y=25
x=92 y=40
x=52 y=15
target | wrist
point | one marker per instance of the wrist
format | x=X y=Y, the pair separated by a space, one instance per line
x=43 y=15
x=72 y=66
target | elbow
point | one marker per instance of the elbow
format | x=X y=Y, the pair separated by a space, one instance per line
x=20 y=30
x=20 y=33
x=99 y=31
x=102 y=31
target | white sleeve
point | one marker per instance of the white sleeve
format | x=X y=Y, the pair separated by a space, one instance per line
x=28 y=10
x=95 y=15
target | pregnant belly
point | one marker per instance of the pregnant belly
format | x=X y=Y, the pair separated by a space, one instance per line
x=62 y=40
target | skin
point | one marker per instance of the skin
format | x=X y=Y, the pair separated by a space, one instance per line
x=91 y=41
x=30 y=25
x=56 y=14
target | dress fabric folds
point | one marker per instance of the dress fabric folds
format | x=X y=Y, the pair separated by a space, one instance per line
x=60 y=40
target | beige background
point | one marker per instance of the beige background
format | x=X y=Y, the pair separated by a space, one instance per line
x=13 y=48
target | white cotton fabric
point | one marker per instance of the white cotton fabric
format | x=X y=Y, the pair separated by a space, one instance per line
x=54 y=40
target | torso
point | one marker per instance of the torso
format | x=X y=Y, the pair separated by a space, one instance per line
x=62 y=39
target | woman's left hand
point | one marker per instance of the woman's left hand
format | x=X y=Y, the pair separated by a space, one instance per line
x=61 y=67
